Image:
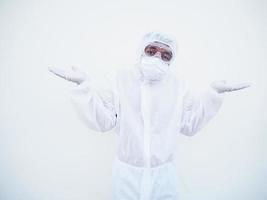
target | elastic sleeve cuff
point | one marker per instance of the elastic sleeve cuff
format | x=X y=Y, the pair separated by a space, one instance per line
x=212 y=92
x=213 y=101
x=85 y=86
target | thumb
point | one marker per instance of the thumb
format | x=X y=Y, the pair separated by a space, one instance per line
x=74 y=68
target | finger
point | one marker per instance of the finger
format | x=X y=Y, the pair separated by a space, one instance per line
x=58 y=71
x=240 y=86
x=74 y=68
x=55 y=70
x=51 y=69
x=247 y=84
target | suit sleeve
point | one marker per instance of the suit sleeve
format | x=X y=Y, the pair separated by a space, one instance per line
x=95 y=107
x=198 y=109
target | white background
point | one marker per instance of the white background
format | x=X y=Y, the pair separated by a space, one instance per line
x=46 y=153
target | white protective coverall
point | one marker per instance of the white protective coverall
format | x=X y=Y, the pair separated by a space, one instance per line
x=147 y=118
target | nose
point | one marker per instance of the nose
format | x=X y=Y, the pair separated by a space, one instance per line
x=158 y=54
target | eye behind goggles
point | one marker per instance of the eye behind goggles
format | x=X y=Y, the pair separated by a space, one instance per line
x=151 y=50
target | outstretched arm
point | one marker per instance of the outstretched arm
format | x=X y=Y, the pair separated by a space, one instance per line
x=199 y=109
x=95 y=107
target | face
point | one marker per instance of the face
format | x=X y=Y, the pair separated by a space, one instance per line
x=155 y=61
x=158 y=49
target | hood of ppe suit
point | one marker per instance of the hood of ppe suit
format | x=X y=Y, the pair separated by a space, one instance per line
x=153 y=68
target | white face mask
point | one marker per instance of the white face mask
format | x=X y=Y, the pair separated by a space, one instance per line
x=153 y=68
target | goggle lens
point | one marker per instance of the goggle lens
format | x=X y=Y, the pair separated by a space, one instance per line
x=151 y=50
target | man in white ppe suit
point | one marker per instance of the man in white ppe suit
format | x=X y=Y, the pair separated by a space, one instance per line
x=148 y=107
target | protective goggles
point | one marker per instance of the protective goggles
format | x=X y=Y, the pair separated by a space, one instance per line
x=151 y=50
